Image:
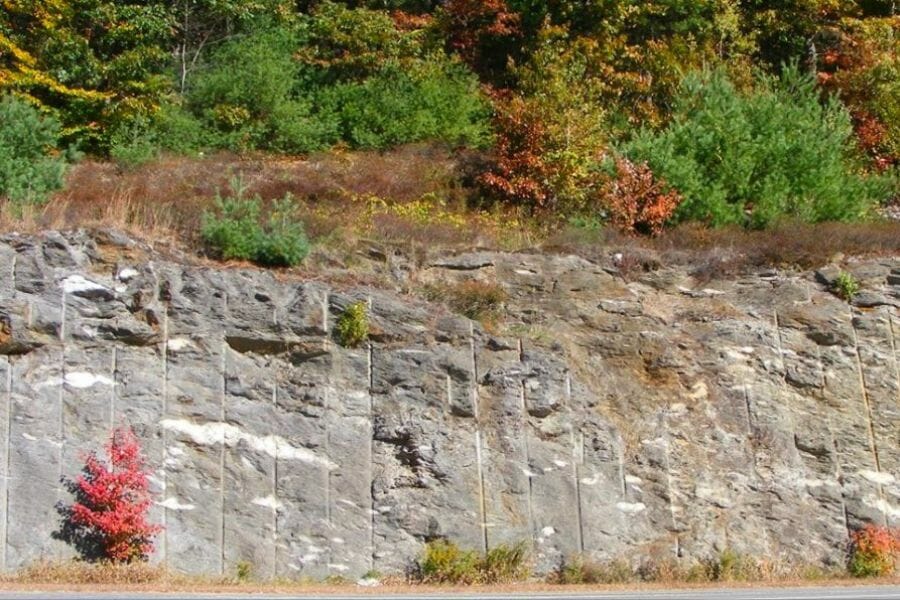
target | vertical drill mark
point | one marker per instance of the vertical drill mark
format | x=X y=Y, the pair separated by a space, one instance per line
x=864 y=390
x=482 y=497
x=449 y=394
x=275 y=495
x=6 y=465
x=224 y=370
x=371 y=382
x=12 y=274
x=327 y=472
x=528 y=473
x=669 y=486
x=60 y=433
x=165 y=437
x=325 y=314
x=113 y=391
x=749 y=408
x=577 y=463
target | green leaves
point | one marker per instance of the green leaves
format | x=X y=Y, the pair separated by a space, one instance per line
x=753 y=158
x=31 y=166
x=236 y=231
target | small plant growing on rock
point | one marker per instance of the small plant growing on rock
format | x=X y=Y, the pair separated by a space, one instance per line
x=874 y=551
x=108 y=520
x=846 y=286
x=353 y=326
x=444 y=562
x=243 y=570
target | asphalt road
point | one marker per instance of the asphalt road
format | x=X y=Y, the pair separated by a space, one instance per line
x=815 y=593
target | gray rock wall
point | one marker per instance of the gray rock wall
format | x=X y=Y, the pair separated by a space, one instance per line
x=657 y=417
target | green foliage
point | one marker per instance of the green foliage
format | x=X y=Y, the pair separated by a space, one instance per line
x=753 y=158
x=31 y=166
x=352 y=328
x=577 y=571
x=444 y=562
x=92 y=62
x=307 y=88
x=846 y=286
x=244 y=570
x=236 y=231
x=432 y=101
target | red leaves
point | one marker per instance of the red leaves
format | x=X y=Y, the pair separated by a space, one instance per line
x=638 y=202
x=874 y=551
x=112 y=500
x=519 y=174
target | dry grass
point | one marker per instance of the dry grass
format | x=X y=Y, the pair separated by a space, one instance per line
x=79 y=576
x=728 y=567
x=412 y=198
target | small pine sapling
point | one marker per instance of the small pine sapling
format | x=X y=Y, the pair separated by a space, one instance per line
x=108 y=520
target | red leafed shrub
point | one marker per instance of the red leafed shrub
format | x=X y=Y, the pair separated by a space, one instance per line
x=519 y=174
x=108 y=520
x=874 y=551
x=638 y=202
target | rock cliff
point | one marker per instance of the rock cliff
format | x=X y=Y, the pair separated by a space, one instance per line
x=605 y=417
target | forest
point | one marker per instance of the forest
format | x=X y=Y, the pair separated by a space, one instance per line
x=636 y=114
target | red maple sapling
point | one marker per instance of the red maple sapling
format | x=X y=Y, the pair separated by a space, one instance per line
x=108 y=520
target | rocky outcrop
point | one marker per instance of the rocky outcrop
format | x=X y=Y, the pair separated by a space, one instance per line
x=603 y=417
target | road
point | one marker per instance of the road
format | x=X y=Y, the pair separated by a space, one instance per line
x=812 y=593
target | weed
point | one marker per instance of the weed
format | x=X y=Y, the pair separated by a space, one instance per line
x=352 y=328
x=243 y=570
x=579 y=571
x=444 y=562
x=846 y=286
x=477 y=300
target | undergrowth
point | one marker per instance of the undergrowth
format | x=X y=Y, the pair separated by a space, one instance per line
x=443 y=562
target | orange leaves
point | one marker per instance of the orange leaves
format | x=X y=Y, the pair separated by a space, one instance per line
x=874 y=551
x=637 y=201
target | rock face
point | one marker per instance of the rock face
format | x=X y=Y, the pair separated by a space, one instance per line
x=656 y=417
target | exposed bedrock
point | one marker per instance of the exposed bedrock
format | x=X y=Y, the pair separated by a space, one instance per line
x=658 y=417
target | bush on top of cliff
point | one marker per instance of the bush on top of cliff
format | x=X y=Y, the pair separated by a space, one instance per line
x=753 y=158
x=31 y=165
x=236 y=230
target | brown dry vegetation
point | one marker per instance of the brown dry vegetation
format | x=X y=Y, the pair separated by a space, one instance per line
x=413 y=197
x=78 y=576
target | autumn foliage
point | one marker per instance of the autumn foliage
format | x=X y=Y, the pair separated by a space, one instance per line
x=636 y=201
x=874 y=551
x=108 y=520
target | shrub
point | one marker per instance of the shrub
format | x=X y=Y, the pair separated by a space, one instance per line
x=31 y=166
x=579 y=571
x=352 y=328
x=754 y=158
x=846 y=286
x=432 y=100
x=637 y=202
x=444 y=562
x=236 y=231
x=108 y=520
x=550 y=139
x=874 y=551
